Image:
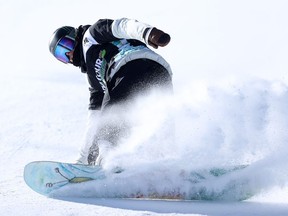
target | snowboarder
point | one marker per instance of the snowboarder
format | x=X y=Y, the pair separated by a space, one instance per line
x=118 y=64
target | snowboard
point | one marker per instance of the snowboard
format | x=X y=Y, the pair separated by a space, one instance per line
x=46 y=177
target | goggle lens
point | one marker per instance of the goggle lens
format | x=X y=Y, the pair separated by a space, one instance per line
x=64 y=46
x=60 y=54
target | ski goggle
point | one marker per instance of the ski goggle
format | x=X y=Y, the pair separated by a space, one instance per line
x=65 y=45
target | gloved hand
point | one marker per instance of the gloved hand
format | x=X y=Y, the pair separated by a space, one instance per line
x=158 y=38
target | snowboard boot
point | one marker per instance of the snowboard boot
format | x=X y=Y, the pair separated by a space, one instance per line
x=98 y=151
x=93 y=154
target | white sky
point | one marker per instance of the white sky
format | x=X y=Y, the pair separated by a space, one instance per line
x=216 y=39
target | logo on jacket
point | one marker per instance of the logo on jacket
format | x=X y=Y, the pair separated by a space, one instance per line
x=100 y=68
x=86 y=40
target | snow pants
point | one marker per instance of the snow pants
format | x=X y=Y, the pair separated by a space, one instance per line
x=135 y=78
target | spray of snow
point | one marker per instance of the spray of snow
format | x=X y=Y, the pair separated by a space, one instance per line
x=236 y=125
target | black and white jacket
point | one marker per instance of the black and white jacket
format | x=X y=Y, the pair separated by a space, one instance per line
x=107 y=46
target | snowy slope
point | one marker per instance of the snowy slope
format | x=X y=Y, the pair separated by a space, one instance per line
x=230 y=105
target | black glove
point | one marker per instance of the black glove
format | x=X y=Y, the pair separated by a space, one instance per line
x=158 y=38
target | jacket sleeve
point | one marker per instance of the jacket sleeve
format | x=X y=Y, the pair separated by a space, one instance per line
x=107 y=30
x=96 y=98
x=101 y=31
x=96 y=93
x=131 y=29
